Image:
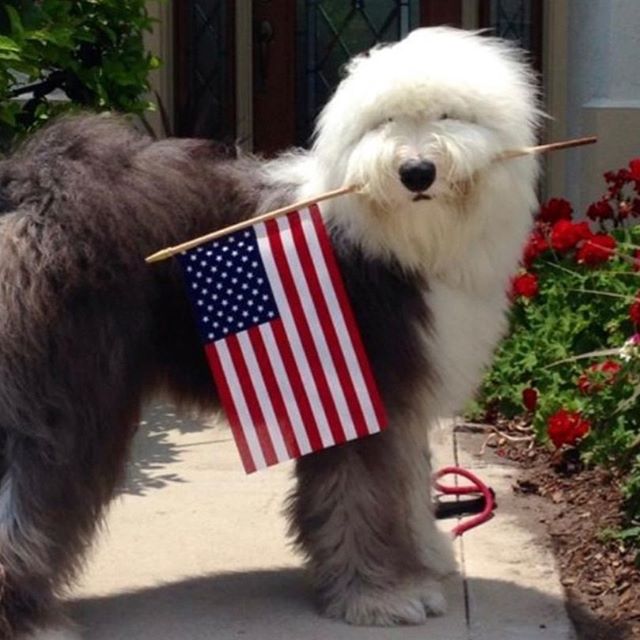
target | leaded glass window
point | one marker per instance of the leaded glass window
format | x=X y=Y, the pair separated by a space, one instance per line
x=513 y=20
x=330 y=32
x=207 y=58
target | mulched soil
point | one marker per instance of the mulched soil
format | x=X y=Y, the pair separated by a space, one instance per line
x=580 y=506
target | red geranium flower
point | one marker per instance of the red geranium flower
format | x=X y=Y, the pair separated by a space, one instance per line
x=597 y=376
x=625 y=209
x=634 y=169
x=530 y=399
x=616 y=181
x=536 y=245
x=554 y=210
x=596 y=249
x=634 y=312
x=583 y=230
x=567 y=427
x=617 y=178
x=525 y=285
x=636 y=260
x=601 y=210
x=565 y=235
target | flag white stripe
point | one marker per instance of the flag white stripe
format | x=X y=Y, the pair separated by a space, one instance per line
x=315 y=326
x=362 y=391
x=264 y=400
x=237 y=396
x=288 y=397
x=292 y=331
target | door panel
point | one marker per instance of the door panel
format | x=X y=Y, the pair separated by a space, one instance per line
x=299 y=50
x=519 y=20
x=330 y=32
x=205 y=87
x=437 y=12
x=274 y=72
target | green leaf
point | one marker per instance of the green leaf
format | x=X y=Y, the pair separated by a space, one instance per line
x=7 y=44
x=8 y=116
x=626 y=534
x=17 y=30
x=9 y=55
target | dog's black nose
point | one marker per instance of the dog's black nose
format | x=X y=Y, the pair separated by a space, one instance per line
x=417 y=175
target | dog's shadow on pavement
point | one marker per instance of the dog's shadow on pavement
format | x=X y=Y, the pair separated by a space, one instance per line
x=154 y=447
x=265 y=605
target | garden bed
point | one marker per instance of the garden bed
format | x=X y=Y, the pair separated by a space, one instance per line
x=567 y=377
x=582 y=508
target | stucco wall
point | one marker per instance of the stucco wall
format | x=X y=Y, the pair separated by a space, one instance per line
x=602 y=91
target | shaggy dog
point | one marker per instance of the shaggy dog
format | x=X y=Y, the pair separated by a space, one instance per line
x=89 y=332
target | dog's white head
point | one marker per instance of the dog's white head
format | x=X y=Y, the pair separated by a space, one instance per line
x=419 y=125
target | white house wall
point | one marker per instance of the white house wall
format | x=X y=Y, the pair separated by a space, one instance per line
x=602 y=74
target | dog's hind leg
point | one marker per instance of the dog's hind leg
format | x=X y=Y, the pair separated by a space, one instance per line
x=51 y=500
x=362 y=515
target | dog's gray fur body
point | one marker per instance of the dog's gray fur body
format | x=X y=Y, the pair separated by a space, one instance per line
x=89 y=332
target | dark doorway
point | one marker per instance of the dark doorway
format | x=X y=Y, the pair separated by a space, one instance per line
x=299 y=49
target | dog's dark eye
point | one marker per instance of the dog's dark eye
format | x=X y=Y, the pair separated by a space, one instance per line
x=389 y=119
x=444 y=116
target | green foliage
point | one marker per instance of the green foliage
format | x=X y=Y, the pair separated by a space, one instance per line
x=92 y=50
x=574 y=345
x=578 y=310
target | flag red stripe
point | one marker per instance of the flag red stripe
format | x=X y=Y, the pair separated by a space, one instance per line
x=230 y=408
x=300 y=319
x=334 y=272
x=297 y=385
x=324 y=315
x=273 y=390
x=247 y=389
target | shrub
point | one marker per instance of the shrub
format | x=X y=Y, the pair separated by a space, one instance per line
x=91 y=50
x=571 y=362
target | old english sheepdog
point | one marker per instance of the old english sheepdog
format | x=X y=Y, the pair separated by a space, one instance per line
x=89 y=332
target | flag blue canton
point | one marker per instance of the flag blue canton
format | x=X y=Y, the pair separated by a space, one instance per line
x=228 y=285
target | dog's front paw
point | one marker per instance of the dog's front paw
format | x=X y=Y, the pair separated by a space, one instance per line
x=432 y=597
x=439 y=556
x=369 y=607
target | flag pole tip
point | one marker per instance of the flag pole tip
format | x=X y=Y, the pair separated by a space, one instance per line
x=159 y=256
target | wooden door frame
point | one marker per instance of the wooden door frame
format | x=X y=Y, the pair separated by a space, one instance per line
x=274 y=76
x=436 y=12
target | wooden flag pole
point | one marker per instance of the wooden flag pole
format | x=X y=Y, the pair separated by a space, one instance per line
x=545 y=148
x=270 y=215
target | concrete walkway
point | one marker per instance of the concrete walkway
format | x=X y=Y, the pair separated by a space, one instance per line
x=196 y=550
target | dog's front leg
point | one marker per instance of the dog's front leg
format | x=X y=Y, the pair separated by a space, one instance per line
x=362 y=515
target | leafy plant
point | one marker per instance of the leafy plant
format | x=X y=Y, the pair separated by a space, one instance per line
x=90 y=50
x=571 y=362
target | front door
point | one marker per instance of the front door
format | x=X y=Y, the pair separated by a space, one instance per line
x=328 y=33
x=258 y=71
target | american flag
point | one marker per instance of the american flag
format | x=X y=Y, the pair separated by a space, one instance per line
x=281 y=340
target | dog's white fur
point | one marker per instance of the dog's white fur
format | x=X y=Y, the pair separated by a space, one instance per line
x=468 y=238
x=457 y=99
